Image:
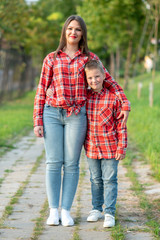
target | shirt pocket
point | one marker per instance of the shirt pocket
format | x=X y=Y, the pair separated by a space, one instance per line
x=106 y=117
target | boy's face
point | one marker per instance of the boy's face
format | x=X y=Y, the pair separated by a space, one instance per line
x=95 y=79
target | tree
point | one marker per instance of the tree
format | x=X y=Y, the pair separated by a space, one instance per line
x=112 y=25
x=48 y=17
x=14 y=20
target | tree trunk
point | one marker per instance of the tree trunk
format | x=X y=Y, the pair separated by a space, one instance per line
x=112 y=65
x=117 y=64
x=127 y=65
x=155 y=51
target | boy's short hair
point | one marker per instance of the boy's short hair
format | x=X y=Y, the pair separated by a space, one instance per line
x=94 y=64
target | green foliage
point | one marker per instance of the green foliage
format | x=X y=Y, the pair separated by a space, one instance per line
x=34 y=28
x=14 y=23
x=46 y=22
x=112 y=23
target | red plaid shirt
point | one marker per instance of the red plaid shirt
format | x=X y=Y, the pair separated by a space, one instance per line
x=105 y=134
x=65 y=76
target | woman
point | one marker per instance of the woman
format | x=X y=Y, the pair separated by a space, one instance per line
x=61 y=118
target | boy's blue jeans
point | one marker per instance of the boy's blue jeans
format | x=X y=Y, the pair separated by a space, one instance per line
x=103 y=177
x=63 y=137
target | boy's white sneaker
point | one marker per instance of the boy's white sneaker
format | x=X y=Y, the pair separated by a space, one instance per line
x=66 y=219
x=94 y=215
x=109 y=221
x=53 y=218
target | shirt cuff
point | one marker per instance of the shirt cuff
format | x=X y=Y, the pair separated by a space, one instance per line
x=121 y=150
x=126 y=106
x=38 y=122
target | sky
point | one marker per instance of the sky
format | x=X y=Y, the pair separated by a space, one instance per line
x=30 y=1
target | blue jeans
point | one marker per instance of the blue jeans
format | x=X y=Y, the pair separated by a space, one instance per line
x=103 y=177
x=64 y=137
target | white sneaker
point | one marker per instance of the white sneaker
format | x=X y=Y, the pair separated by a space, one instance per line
x=109 y=221
x=66 y=219
x=53 y=217
x=94 y=215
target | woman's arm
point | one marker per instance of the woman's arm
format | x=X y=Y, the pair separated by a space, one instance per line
x=45 y=80
x=121 y=132
x=114 y=87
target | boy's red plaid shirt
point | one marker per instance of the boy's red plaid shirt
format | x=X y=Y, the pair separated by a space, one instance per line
x=105 y=134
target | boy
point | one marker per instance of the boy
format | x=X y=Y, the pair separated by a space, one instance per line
x=105 y=144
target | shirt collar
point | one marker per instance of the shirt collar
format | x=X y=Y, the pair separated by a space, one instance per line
x=101 y=93
x=76 y=54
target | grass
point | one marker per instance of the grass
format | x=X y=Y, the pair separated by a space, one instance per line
x=143 y=122
x=117 y=232
x=16 y=119
x=39 y=222
x=78 y=212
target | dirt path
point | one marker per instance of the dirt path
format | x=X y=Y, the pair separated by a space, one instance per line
x=22 y=192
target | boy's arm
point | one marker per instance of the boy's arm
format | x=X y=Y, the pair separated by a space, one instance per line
x=121 y=132
x=114 y=87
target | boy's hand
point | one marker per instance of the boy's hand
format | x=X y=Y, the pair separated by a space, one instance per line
x=38 y=131
x=119 y=156
x=125 y=115
x=49 y=92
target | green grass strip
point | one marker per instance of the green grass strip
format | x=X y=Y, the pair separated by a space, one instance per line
x=14 y=199
x=139 y=190
x=39 y=222
x=117 y=232
x=16 y=120
x=143 y=121
x=78 y=212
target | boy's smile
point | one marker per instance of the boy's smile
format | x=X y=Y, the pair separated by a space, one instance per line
x=95 y=79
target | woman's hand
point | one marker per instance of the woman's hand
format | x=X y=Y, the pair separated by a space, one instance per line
x=119 y=156
x=125 y=115
x=38 y=131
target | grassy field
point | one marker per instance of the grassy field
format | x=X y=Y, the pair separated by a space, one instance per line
x=143 y=123
x=16 y=119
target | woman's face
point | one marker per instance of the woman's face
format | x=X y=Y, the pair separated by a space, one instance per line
x=73 y=33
